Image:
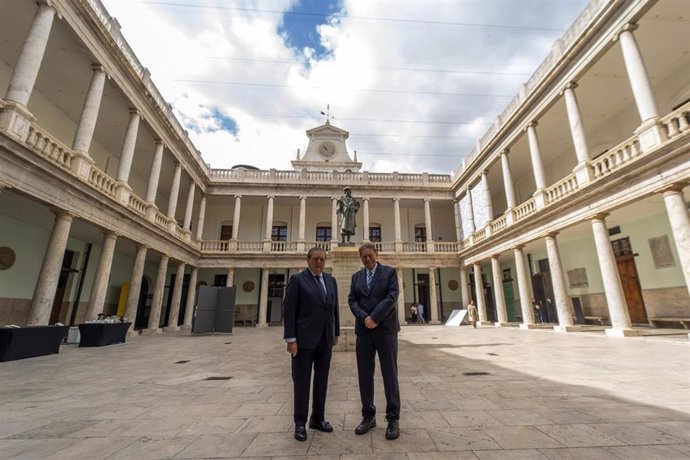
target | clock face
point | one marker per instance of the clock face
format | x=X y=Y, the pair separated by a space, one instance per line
x=7 y=258
x=327 y=149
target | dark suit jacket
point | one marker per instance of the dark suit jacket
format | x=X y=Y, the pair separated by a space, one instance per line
x=379 y=301
x=306 y=314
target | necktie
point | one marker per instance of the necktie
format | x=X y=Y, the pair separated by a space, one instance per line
x=370 y=278
x=322 y=285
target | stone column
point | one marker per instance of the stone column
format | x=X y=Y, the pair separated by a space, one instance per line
x=236 y=223
x=427 y=224
x=155 y=173
x=302 y=223
x=173 y=318
x=230 y=281
x=135 y=284
x=89 y=112
x=401 y=296
x=464 y=290
x=637 y=74
x=489 y=205
x=577 y=131
x=537 y=166
x=497 y=276
x=365 y=216
x=191 y=297
x=174 y=191
x=269 y=224
x=524 y=289
x=31 y=56
x=398 y=230
x=564 y=305
x=508 y=180
x=202 y=217
x=458 y=224
x=263 y=298
x=433 y=301
x=100 y=282
x=157 y=301
x=189 y=209
x=677 y=211
x=334 y=221
x=479 y=291
x=470 y=211
x=46 y=286
x=130 y=142
x=613 y=288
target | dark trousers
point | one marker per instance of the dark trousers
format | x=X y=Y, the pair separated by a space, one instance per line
x=387 y=348
x=320 y=359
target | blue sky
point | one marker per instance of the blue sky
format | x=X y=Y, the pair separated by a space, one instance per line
x=414 y=82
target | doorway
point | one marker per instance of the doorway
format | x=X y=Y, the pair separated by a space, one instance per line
x=143 y=306
x=63 y=282
x=627 y=271
x=423 y=294
x=488 y=297
x=276 y=290
x=183 y=300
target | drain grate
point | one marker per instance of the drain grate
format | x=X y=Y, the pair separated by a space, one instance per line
x=218 y=377
x=182 y=362
x=475 y=373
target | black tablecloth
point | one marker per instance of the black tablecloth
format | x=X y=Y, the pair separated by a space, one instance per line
x=30 y=341
x=99 y=334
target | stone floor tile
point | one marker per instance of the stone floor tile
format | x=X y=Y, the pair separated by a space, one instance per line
x=92 y=448
x=582 y=453
x=451 y=439
x=458 y=455
x=512 y=417
x=647 y=453
x=682 y=448
x=680 y=429
x=579 y=435
x=475 y=404
x=267 y=424
x=146 y=448
x=9 y=429
x=637 y=433
x=215 y=446
x=417 y=440
x=339 y=442
x=275 y=444
x=470 y=418
x=56 y=429
x=257 y=409
x=32 y=448
x=396 y=456
x=214 y=425
x=513 y=454
x=429 y=419
x=521 y=437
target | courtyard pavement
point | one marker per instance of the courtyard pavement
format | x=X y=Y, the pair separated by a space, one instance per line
x=487 y=393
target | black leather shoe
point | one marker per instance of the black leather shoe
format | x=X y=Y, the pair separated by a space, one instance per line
x=321 y=426
x=393 y=429
x=300 y=433
x=367 y=424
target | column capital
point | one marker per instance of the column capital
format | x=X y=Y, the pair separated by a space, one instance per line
x=551 y=234
x=496 y=256
x=432 y=268
x=365 y=198
x=628 y=27
x=477 y=263
x=397 y=200
x=302 y=197
x=158 y=141
x=427 y=200
x=519 y=247
x=140 y=246
x=270 y=197
x=177 y=163
x=571 y=85
x=456 y=200
x=238 y=196
x=533 y=124
x=674 y=188
x=203 y=195
x=109 y=234
x=134 y=111
x=504 y=152
x=97 y=67
x=599 y=216
x=63 y=213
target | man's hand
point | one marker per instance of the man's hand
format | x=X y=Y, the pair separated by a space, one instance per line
x=369 y=323
x=292 y=348
x=335 y=342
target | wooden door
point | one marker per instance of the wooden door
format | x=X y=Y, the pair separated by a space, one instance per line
x=631 y=287
x=63 y=280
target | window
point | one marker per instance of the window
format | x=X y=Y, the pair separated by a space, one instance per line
x=323 y=233
x=375 y=234
x=225 y=232
x=420 y=234
x=279 y=233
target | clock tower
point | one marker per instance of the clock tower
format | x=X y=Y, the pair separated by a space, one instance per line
x=327 y=151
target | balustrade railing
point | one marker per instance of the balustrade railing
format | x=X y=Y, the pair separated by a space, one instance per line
x=161 y=219
x=414 y=246
x=214 y=245
x=480 y=235
x=498 y=224
x=103 y=182
x=250 y=246
x=678 y=121
x=385 y=246
x=180 y=232
x=137 y=204
x=525 y=209
x=283 y=246
x=48 y=147
x=446 y=246
x=299 y=177
x=561 y=189
x=616 y=157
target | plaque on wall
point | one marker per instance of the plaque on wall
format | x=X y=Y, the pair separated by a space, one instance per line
x=452 y=285
x=248 y=286
x=578 y=278
x=661 y=252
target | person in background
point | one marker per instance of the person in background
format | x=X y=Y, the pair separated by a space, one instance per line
x=420 y=314
x=472 y=313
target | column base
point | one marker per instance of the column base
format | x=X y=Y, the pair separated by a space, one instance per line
x=535 y=326
x=132 y=333
x=485 y=323
x=262 y=325
x=171 y=328
x=15 y=121
x=434 y=322
x=506 y=324
x=186 y=328
x=624 y=332
x=155 y=331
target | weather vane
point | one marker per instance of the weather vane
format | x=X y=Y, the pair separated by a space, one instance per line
x=328 y=113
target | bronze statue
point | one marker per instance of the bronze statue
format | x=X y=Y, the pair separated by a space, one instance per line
x=347 y=210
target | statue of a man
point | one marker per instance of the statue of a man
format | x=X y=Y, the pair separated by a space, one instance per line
x=347 y=210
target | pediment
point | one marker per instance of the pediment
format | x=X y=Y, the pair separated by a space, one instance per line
x=327 y=130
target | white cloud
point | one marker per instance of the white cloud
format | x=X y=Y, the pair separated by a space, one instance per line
x=193 y=53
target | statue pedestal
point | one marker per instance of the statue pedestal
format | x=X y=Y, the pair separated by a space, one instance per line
x=345 y=261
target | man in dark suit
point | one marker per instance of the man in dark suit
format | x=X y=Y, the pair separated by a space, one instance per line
x=312 y=327
x=373 y=299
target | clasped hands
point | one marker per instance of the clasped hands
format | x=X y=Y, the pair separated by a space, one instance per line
x=370 y=323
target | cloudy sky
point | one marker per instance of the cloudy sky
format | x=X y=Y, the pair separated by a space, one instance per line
x=415 y=82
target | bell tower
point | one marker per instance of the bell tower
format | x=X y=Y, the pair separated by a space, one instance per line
x=327 y=151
